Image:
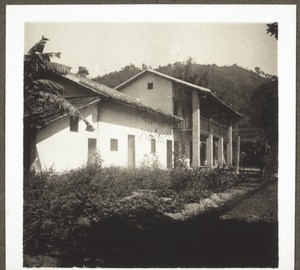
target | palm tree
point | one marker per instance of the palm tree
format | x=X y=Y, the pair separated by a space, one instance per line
x=42 y=92
x=272 y=29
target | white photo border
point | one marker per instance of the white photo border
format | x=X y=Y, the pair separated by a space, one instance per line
x=18 y=15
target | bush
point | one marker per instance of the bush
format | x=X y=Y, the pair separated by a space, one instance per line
x=194 y=184
x=61 y=208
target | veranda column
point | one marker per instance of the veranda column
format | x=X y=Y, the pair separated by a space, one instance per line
x=209 y=151
x=220 y=151
x=238 y=154
x=229 y=147
x=196 y=129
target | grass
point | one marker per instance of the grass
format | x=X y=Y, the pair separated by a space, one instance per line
x=261 y=207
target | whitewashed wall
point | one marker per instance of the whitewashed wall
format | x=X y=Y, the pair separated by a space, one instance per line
x=62 y=149
x=159 y=97
x=117 y=121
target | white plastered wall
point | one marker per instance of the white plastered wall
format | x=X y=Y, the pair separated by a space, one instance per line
x=159 y=97
x=117 y=121
x=61 y=149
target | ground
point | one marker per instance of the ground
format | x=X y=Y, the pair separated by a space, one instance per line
x=261 y=207
x=245 y=236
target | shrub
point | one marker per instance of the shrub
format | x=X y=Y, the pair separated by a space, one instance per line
x=180 y=176
x=59 y=207
x=194 y=184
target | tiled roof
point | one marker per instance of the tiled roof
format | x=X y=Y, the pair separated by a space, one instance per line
x=113 y=94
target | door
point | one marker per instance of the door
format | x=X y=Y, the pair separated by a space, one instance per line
x=169 y=154
x=92 y=149
x=176 y=153
x=131 y=151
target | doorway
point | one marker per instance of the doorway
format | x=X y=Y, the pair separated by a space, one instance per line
x=131 y=151
x=92 y=150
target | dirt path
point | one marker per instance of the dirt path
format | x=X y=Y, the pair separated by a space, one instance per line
x=261 y=207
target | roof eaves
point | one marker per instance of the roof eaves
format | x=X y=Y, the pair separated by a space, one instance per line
x=179 y=81
x=231 y=109
x=123 y=84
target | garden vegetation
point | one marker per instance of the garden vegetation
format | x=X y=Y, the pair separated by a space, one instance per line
x=63 y=210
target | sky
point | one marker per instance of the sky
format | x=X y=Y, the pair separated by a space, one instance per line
x=107 y=47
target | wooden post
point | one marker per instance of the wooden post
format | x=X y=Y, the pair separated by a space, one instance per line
x=209 y=151
x=238 y=154
x=220 y=152
x=229 y=147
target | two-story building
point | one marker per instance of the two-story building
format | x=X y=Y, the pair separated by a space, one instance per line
x=150 y=116
x=205 y=137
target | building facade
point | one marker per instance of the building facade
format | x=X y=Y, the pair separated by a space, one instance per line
x=205 y=137
x=127 y=132
x=151 y=117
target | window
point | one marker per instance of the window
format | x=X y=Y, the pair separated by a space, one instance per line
x=150 y=86
x=74 y=123
x=113 y=145
x=153 y=146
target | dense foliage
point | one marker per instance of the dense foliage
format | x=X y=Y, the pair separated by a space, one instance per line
x=61 y=210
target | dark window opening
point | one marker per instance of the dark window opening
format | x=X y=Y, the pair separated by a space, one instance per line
x=175 y=109
x=150 y=86
x=74 y=123
x=113 y=145
x=176 y=153
x=191 y=153
x=153 y=146
x=203 y=150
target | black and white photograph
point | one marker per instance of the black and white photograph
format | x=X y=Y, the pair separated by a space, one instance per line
x=152 y=143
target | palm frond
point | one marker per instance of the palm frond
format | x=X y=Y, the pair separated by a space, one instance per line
x=272 y=29
x=47 y=56
x=63 y=104
x=39 y=93
x=47 y=92
x=39 y=47
x=47 y=86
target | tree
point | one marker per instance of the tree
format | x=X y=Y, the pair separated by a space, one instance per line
x=40 y=92
x=82 y=71
x=272 y=29
x=269 y=99
x=257 y=70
